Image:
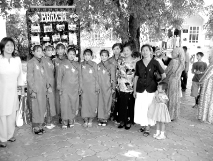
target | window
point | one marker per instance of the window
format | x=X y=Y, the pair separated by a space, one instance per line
x=193 y=34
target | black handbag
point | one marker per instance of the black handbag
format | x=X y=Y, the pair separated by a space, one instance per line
x=157 y=76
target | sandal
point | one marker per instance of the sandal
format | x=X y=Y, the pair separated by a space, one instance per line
x=64 y=127
x=3 y=145
x=13 y=139
x=85 y=124
x=146 y=133
x=104 y=124
x=142 y=129
x=37 y=131
x=89 y=124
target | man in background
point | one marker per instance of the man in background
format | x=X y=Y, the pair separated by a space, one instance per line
x=184 y=75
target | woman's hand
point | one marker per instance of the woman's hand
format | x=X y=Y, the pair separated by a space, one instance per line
x=135 y=94
x=34 y=95
x=49 y=90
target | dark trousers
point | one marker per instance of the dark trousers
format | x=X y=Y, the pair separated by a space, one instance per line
x=126 y=108
x=115 y=106
x=184 y=77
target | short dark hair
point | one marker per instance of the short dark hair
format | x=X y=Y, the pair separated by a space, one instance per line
x=104 y=51
x=200 y=53
x=89 y=51
x=3 y=42
x=49 y=46
x=146 y=45
x=136 y=54
x=164 y=85
x=71 y=49
x=60 y=45
x=117 y=44
x=36 y=47
x=130 y=45
x=185 y=48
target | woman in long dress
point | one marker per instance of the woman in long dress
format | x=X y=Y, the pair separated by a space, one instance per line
x=10 y=78
x=205 y=107
x=173 y=74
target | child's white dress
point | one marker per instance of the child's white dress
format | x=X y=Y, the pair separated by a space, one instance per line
x=158 y=110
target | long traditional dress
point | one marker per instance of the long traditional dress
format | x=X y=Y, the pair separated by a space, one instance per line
x=90 y=87
x=37 y=82
x=173 y=74
x=106 y=78
x=205 y=107
x=10 y=78
x=68 y=81
x=49 y=70
x=57 y=62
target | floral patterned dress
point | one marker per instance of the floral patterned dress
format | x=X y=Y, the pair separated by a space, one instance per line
x=205 y=107
x=126 y=75
x=173 y=74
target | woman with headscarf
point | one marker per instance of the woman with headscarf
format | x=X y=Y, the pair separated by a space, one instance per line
x=205 y=106
x=173 y=74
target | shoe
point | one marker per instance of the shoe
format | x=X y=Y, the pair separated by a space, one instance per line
x=64 y=127
x=128 y=126
x=43 y=131
x=161 y=137
x=3 y=144
x=146 y=133
x=142 y=129
x=155 y=135
x=85 y=124
x=195 y=106
x=104 y=124
x=71 y=123
x=89 y=124
x=121 y=126
x=37 y=131
x=100 y=124
x=13 y=139
x=116 y=123
x=50 y=126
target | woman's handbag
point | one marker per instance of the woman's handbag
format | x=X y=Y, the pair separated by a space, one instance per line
x=19 y=118
x=157 y=76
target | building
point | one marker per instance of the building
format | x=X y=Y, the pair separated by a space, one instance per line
x=193 y=33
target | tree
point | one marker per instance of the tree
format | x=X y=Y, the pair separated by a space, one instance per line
x=16 y=27
x=127 y=16
x=209 y=24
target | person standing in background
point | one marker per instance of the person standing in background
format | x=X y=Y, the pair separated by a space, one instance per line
x=184 y=75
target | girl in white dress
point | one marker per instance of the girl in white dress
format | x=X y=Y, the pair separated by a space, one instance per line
x=158 y=110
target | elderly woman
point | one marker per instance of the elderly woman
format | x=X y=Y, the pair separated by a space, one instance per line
x=173 y=74
x=205 y=106
x=10 y=78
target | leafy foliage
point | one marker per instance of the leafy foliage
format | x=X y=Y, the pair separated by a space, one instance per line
x=209 y=24
x=16 y=27
x=124 y=16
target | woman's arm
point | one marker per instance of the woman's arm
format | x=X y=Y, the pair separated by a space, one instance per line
x=135 y=85
x=207 y=74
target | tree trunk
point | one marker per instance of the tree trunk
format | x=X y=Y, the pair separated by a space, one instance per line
x=134 y=32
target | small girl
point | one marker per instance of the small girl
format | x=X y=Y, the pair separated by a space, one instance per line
x=90 y=88
x=60 y=53
x=158 y=111
x=68 y=84
x=106 y=77
x=38 y=88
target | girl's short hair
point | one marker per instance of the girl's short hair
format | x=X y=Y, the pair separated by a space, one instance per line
x=60 y=45
x=104 y=51
x=164 y=85
x=130 y=45
x=36 y=47
x=117 y=44
x=200 y=53
x=88 y=51
x=146 y=45
x=136 y=54
x=71 y=49
x=3 y=42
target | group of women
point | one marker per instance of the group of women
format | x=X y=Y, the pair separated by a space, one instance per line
x=135 y=86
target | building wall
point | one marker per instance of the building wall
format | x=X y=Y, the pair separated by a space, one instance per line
x=192 y=33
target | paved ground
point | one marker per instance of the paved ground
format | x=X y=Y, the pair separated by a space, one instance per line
x=187 y=140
